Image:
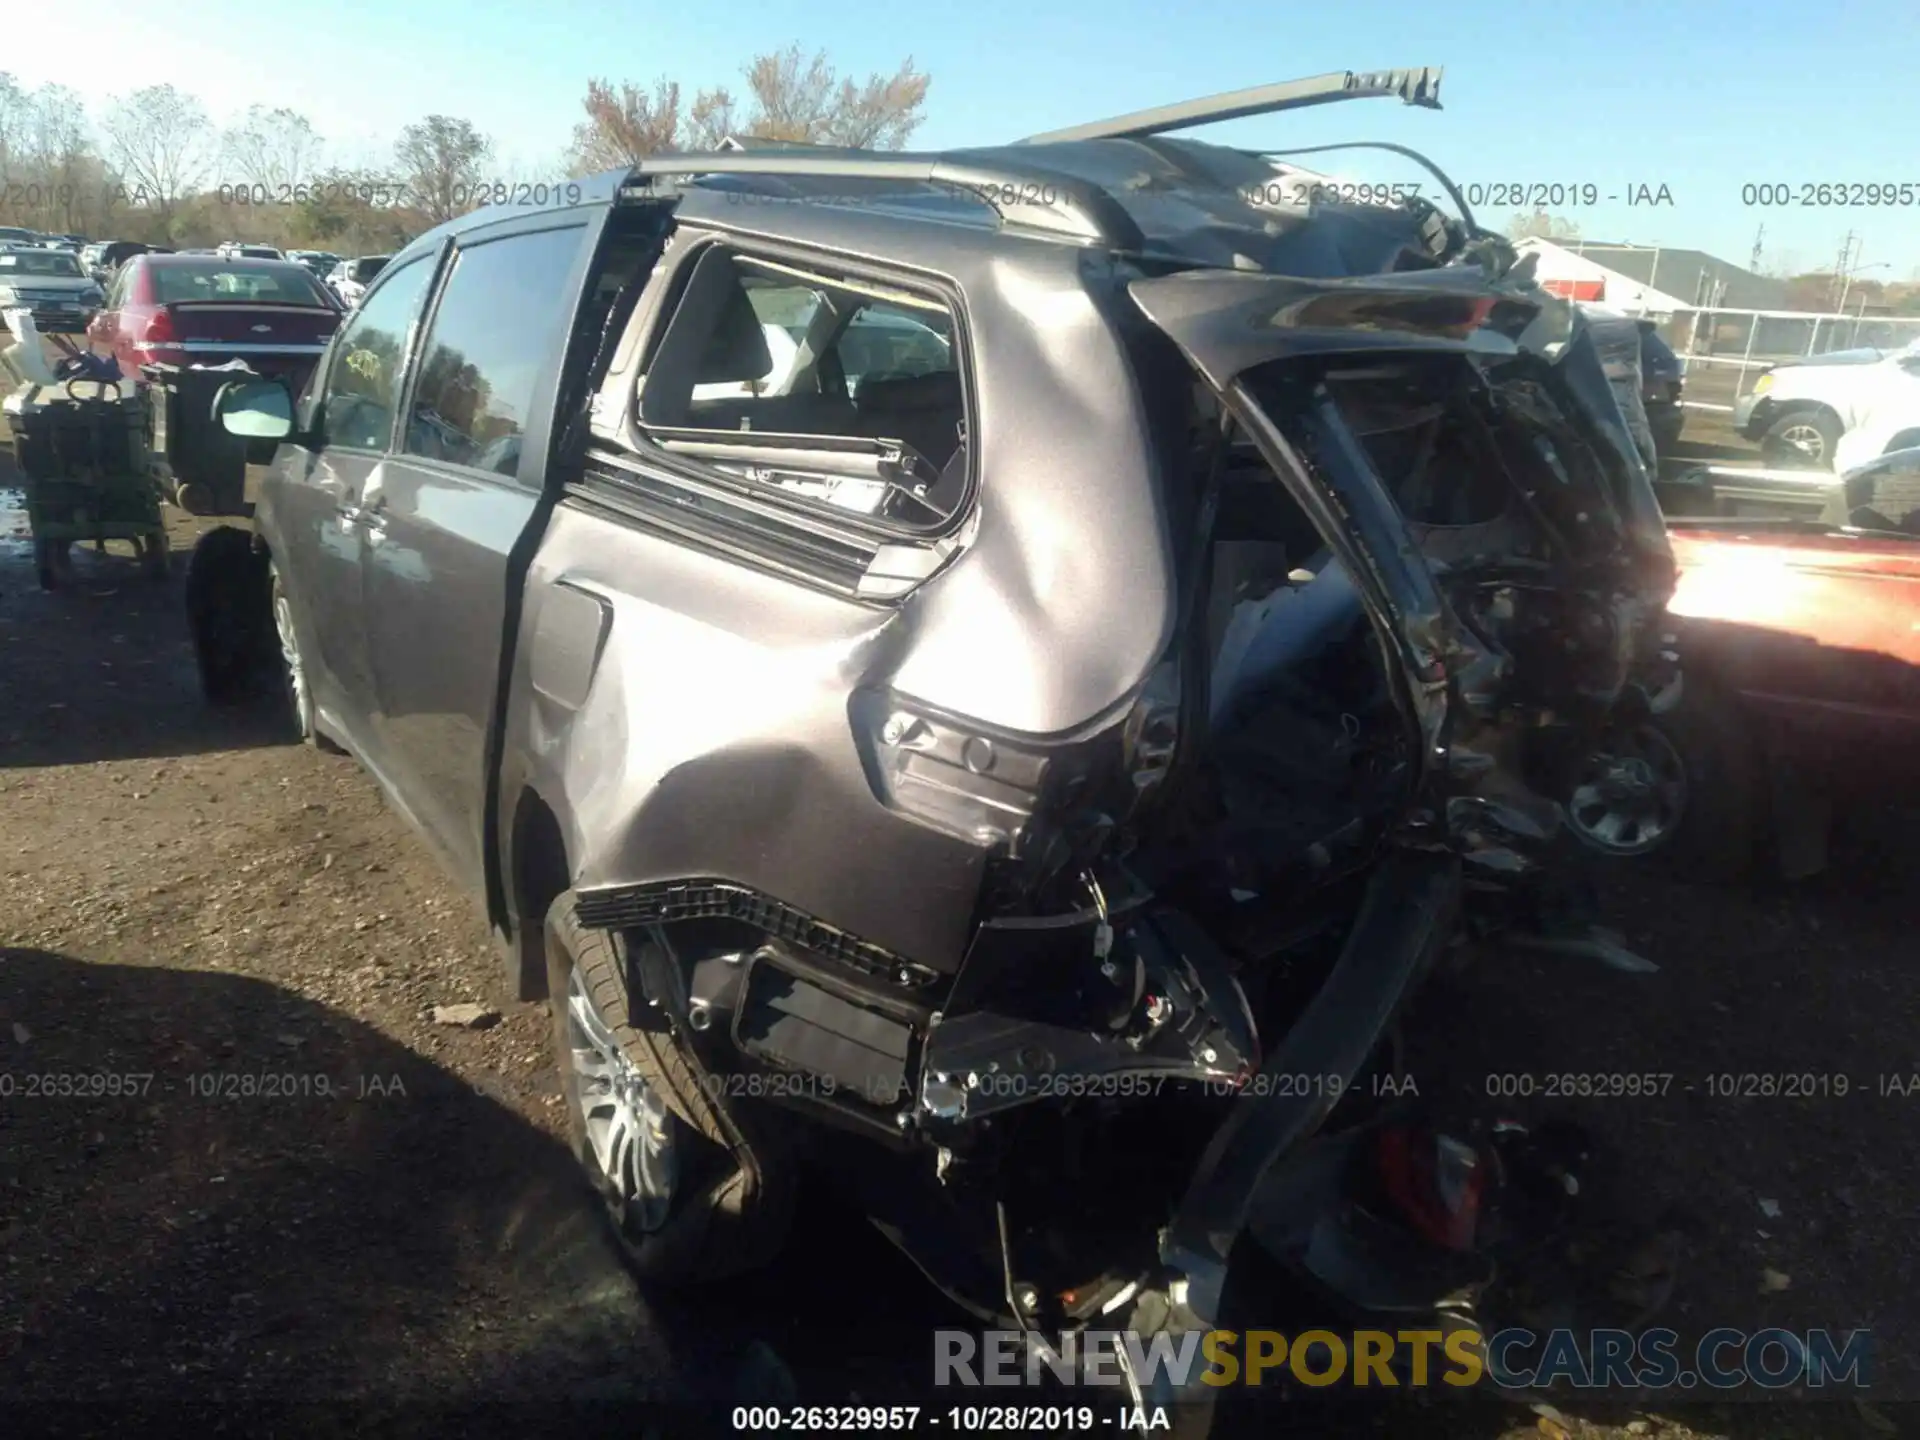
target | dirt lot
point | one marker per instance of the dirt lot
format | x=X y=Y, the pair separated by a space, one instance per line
x=186 y=905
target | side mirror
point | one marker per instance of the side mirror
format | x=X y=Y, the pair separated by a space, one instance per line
x=255 y=409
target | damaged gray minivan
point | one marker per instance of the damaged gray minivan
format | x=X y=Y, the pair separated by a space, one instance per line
x=989 y=675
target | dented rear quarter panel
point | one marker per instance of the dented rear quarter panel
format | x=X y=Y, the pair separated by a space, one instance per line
x=711 y=735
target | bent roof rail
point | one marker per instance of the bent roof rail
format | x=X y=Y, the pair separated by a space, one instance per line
x=1029 y=196
x=1419 y=86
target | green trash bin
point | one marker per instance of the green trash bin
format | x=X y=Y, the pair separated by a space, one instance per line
x=81 y=447
x=202 y=468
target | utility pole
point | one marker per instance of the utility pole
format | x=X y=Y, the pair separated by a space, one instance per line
x=1753 y=261
x=1841 y=271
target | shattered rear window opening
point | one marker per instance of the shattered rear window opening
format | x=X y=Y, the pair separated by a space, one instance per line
x=843 y=392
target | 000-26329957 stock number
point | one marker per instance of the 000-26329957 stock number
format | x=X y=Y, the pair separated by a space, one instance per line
x=384 y=195
x=1817 y=194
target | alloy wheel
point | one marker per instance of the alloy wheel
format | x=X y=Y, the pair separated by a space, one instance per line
x=1806 y=439
x=631 y=1135
x=293 y=669
x=1630 y=797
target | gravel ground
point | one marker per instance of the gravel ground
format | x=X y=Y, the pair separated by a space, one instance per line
x=305 y=1188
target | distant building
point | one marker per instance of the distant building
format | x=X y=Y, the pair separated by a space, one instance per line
x=1650 y=279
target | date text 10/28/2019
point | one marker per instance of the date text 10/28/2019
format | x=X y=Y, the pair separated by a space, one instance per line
x=953 y=1420
x=1012 y=1085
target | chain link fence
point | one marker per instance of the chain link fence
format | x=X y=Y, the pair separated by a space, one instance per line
x=1723 y=351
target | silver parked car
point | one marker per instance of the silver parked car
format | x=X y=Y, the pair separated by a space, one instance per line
x=350 y=278
x=51 y=284
x=982 y=750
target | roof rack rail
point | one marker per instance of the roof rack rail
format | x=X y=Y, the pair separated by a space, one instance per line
x=1027 y=196
x=1416 y=87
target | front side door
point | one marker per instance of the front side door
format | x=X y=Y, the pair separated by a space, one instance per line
x=444 y=518
x=312 y=506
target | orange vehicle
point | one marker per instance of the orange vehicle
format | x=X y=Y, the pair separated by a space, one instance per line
x=1801 y=648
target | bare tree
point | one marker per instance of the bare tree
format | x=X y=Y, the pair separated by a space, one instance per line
x=159 y=139
x=880 y=113
x=439 y=158
x=624 y=124
x=273 y=150
x=800 y=98
x=55 y=151
x=14 y=102
x=1543 y=226
x=791 y=96
x=710 y=119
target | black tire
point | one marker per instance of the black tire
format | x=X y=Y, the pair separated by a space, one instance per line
x=1819 y=429
x=733 y=1199
x=154 y=563
x=1666 y=427
x=52 y=562
x=228 y=616
x=1718 y=837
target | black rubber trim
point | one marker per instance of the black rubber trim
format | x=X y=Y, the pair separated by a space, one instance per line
x=626 y=906
x=1407 y=914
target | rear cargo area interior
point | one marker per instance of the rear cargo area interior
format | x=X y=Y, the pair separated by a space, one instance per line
x=1305 y=751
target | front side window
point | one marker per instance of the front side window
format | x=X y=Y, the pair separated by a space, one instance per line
x=363 y=377
x=491 y=340
x=833 y=388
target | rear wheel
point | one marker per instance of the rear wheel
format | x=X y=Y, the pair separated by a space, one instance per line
x=1682 y=791
x=1802 y=439
x=296 y=694
x=230 y=616
x=1630 y=797
x=153 y=556
x=692 y=1192
x=53 y=562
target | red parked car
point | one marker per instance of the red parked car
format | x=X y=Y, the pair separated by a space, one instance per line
x=208 y=309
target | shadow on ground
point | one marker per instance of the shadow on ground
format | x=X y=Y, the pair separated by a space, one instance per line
x=213 y=1188
x=224 y=1192
x=135 y=695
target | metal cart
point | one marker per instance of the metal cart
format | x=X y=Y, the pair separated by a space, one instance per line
x=82 y=448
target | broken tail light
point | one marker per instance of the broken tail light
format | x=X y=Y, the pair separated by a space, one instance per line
x=989 y=787
x=949 y=773
x=1434 y=1182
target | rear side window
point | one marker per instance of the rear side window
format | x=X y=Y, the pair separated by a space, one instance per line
x=491 y=339
x=363 y=375
x=836 y=389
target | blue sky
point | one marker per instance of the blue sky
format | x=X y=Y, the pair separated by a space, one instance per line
x=1698 y=95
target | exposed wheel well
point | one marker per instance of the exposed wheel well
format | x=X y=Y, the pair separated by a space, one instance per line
x=1784 y=408
x=1905 y=440
x=540 y=875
